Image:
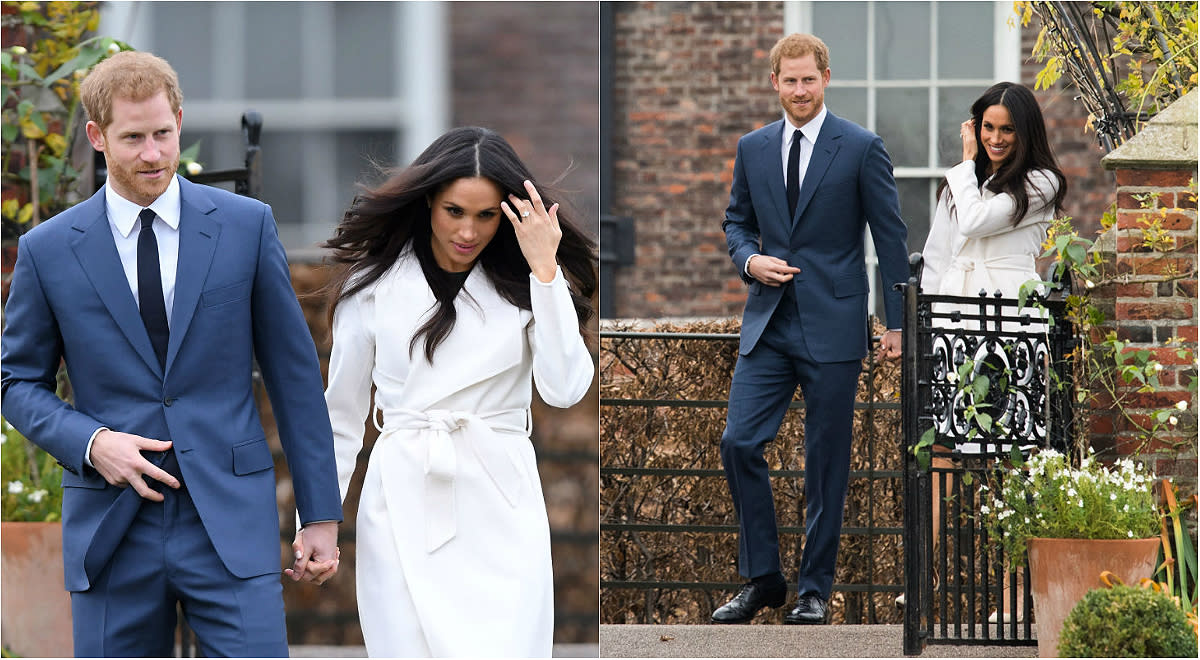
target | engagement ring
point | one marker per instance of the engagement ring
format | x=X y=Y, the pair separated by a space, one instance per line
x=525 y=214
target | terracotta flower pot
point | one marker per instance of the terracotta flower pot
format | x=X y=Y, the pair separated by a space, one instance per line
x=1062 y=571
x=36 y=613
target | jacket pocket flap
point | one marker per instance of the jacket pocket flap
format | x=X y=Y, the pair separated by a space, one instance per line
x=851 y=285
x=91 y=480
x=253 y=456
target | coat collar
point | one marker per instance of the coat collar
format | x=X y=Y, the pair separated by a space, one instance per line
x=488 y=336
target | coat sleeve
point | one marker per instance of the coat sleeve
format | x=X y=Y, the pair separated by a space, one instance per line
x=741 y=223
x=348 y=394
x=287 y=358
x=31 y=355
x=978 y=217
x=562 y=365
x=881 y=204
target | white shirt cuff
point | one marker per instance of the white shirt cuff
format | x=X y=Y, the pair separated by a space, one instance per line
x=87 y=454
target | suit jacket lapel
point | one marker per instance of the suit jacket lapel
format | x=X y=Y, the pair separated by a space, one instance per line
x=822 y=156
x=198 y=233
x=97 y=253
x=772 y=155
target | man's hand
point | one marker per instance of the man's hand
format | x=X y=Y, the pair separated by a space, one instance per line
x=889 y=346
x=117 y=457
x=769 y=270
x=317 y=554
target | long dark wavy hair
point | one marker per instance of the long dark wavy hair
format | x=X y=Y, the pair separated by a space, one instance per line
x=1031 y=151
x=383 y=220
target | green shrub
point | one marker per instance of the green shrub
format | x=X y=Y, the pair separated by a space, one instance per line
x=1126 y=622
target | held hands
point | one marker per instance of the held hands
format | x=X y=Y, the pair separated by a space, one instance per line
x=769 y=270
x=316 y=552
x=889 y=346
x=118 y=458
x=537 y=229
x=969 y=142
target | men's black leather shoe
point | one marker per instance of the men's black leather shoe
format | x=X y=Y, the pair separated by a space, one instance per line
x=811 y=609
x=752 y=598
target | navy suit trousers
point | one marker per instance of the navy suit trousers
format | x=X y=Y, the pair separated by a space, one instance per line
x=764 y=381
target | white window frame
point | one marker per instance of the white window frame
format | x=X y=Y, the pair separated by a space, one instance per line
x=1006 y=65
x=418 y=114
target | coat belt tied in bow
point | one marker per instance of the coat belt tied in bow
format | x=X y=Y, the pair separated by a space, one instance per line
x=442 y=432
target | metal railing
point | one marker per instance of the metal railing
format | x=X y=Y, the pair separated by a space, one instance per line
x=958 y=588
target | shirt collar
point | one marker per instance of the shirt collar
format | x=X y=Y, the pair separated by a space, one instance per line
x=810 y=130
x=123 y=214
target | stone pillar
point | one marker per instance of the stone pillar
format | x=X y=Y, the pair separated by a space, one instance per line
x=1150 y=299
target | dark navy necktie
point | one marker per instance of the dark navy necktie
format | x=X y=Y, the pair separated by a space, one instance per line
x=793 y=174
x=150 y=291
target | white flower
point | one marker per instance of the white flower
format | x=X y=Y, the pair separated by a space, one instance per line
x=114 y=48
x=1129 y=533
x=1182 y=405
x=16 y=487
x=1071 y=492
x=19 y=50
x=1125 y=508
x=1090 y=284
x=38 y=495
x=1027 y=520
x=1112 y=496
x=985 y=510
x=1080 y=504
x=1157 y=366
x=194 y=168
x=1173 y=420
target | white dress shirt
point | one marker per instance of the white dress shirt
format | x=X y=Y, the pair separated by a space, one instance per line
x=125 y=226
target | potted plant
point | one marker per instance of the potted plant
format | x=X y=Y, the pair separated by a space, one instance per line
x=1127 y=622
x=36 y=609
x=1073 y=523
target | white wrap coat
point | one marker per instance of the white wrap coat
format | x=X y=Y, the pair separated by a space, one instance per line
x=453 y=542
x=973 y=243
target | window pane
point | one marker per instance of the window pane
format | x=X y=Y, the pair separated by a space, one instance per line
x=965 y=39
x=902 y=118
x=283 y=178
x=902 y=40
x=364 y=59
x=273 y=50
x=916 y=204
x=847 y=103
x=842 y=26
x=182 y=37
x=954 y=107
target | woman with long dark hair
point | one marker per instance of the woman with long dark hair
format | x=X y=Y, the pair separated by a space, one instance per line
x=995 y=206
x=461 y=283
x=992 y=214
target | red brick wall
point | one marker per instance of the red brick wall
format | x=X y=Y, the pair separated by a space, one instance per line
x=689 y=79
x=1151 y=305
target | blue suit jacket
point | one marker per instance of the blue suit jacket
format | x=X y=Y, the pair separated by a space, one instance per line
x=70 y=299
x=848 y=186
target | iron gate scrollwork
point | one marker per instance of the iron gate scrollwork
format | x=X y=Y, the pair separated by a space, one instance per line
x=982 y=378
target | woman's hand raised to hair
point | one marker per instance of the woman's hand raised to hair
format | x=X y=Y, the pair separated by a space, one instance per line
x=970 y=143
x=537 y=230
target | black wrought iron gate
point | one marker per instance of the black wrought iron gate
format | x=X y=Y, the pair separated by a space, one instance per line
x=982 y=378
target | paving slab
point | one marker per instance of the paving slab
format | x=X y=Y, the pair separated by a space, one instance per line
x=778 y=641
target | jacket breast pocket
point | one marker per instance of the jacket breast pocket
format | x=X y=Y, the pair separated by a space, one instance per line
x=251 y=457
x=851 y=285
x=225 y=294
